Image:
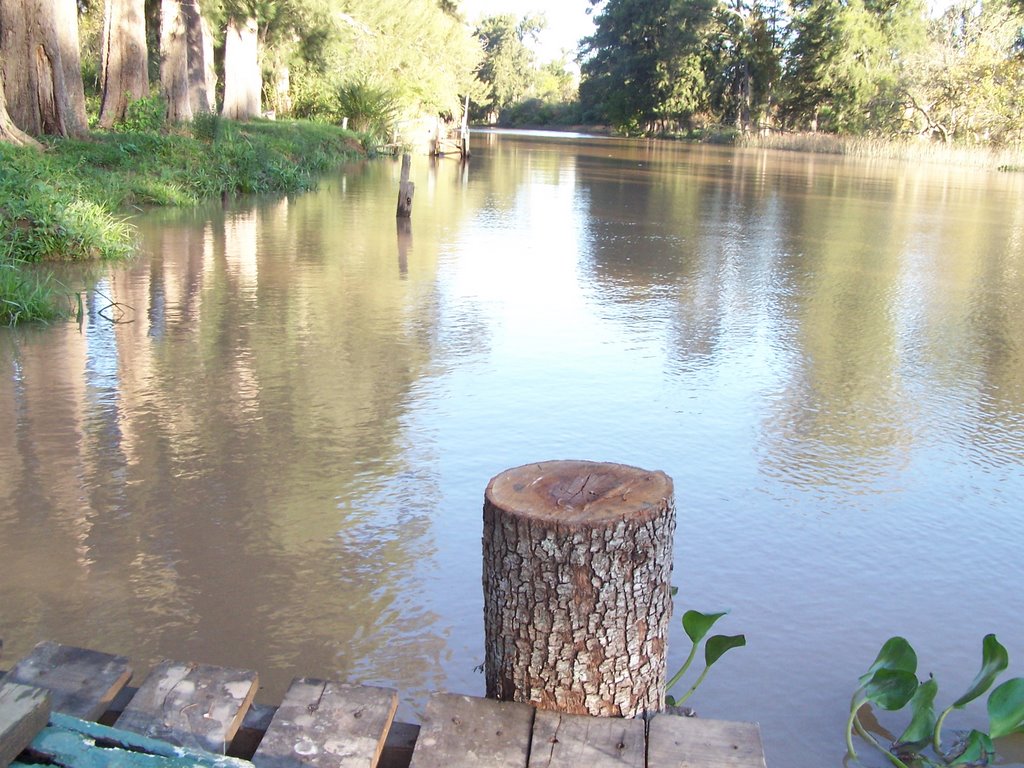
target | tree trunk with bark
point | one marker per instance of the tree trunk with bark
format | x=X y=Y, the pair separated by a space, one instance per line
x=33 y=69
x=243 y=81
x=174 y=62
x=70 y=54
x=124 y=65
x=577 y=586
x=9 y=132
x=202 y=82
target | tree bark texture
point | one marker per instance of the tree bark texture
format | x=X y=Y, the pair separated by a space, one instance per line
x=9 y=132
x=243 y=81
x=125 y=72
x=33 y=70
x=202 y=82
x=577 y=565
x=66 y=22
x=174 y=62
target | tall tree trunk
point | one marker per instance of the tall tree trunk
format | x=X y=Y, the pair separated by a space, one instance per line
x=67 y=32
x=32 y=68
x=9 y=132
x=202 y=81
x=125 y=75
x=174 y=85
x=243 y=81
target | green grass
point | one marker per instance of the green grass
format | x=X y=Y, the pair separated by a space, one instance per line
x=68 y=203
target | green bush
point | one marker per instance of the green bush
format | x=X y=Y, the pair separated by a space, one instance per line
x=144 y=115
x=370 y=110
x=207 y=126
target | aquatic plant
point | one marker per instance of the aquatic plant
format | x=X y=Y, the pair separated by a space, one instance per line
x=891 y=683
x=25 y=295
x=697 y=625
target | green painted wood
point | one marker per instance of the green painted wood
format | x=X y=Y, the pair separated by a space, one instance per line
x=23 y=712
x=81 y=682
x=192 y=705
x=72 y=742
x=324 y=724
x=466 y=732
x=570 y=741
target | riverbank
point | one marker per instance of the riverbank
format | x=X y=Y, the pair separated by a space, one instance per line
x=909 y=150
x=67 y=203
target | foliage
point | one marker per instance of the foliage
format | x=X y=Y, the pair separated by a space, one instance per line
x=207 y=126
x=846 y=62
x=891 y=683
x=509 y=67
x=967 y=88
x=855 y=67
x=535 y=112
x=371 y=110
x=143 y=115
x=697 y=625
x=25 y=295
x=46 y=213
x=642 y=66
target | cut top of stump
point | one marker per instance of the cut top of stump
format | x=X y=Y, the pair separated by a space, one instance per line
x=571 y=492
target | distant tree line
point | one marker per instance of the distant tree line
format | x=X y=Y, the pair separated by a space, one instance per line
x=516 y=87
x=884 y=67
x=845 y=66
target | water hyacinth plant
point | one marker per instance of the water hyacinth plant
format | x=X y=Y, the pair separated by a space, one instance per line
x=697 y=625
x=891 y=683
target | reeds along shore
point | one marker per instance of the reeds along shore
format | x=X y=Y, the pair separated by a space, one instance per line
x=914 y=150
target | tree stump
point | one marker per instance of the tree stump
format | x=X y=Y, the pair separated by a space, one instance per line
x=577 y=586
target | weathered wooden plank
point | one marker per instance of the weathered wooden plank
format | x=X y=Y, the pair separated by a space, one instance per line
x=23 y=713
x=325 y=724
x=570 y=741
x=81 y=682
x=192 y=705
x=72 y=742
x=692 y=742
x=463 y=731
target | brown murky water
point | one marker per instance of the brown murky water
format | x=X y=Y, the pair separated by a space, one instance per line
x=276 y=457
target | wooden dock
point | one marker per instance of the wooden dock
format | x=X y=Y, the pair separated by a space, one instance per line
x=73 y=707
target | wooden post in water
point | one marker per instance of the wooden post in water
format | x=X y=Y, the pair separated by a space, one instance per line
x=464 y=133
x=577 y=565
x=405 y=190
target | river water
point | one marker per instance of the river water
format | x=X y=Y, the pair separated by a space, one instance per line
x=267 y=442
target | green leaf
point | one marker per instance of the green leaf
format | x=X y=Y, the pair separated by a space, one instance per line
x=1006 y=708
x=896 y=653
x=994 y=659
x=922 y=722
x=670 y=701
x=977 y=751
x=717 y=645
x=697 y=624
x=891 y=689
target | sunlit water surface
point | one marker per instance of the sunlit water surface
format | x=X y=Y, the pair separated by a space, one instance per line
x=276 y=457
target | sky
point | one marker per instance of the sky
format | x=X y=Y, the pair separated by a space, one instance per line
x=567 y=20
